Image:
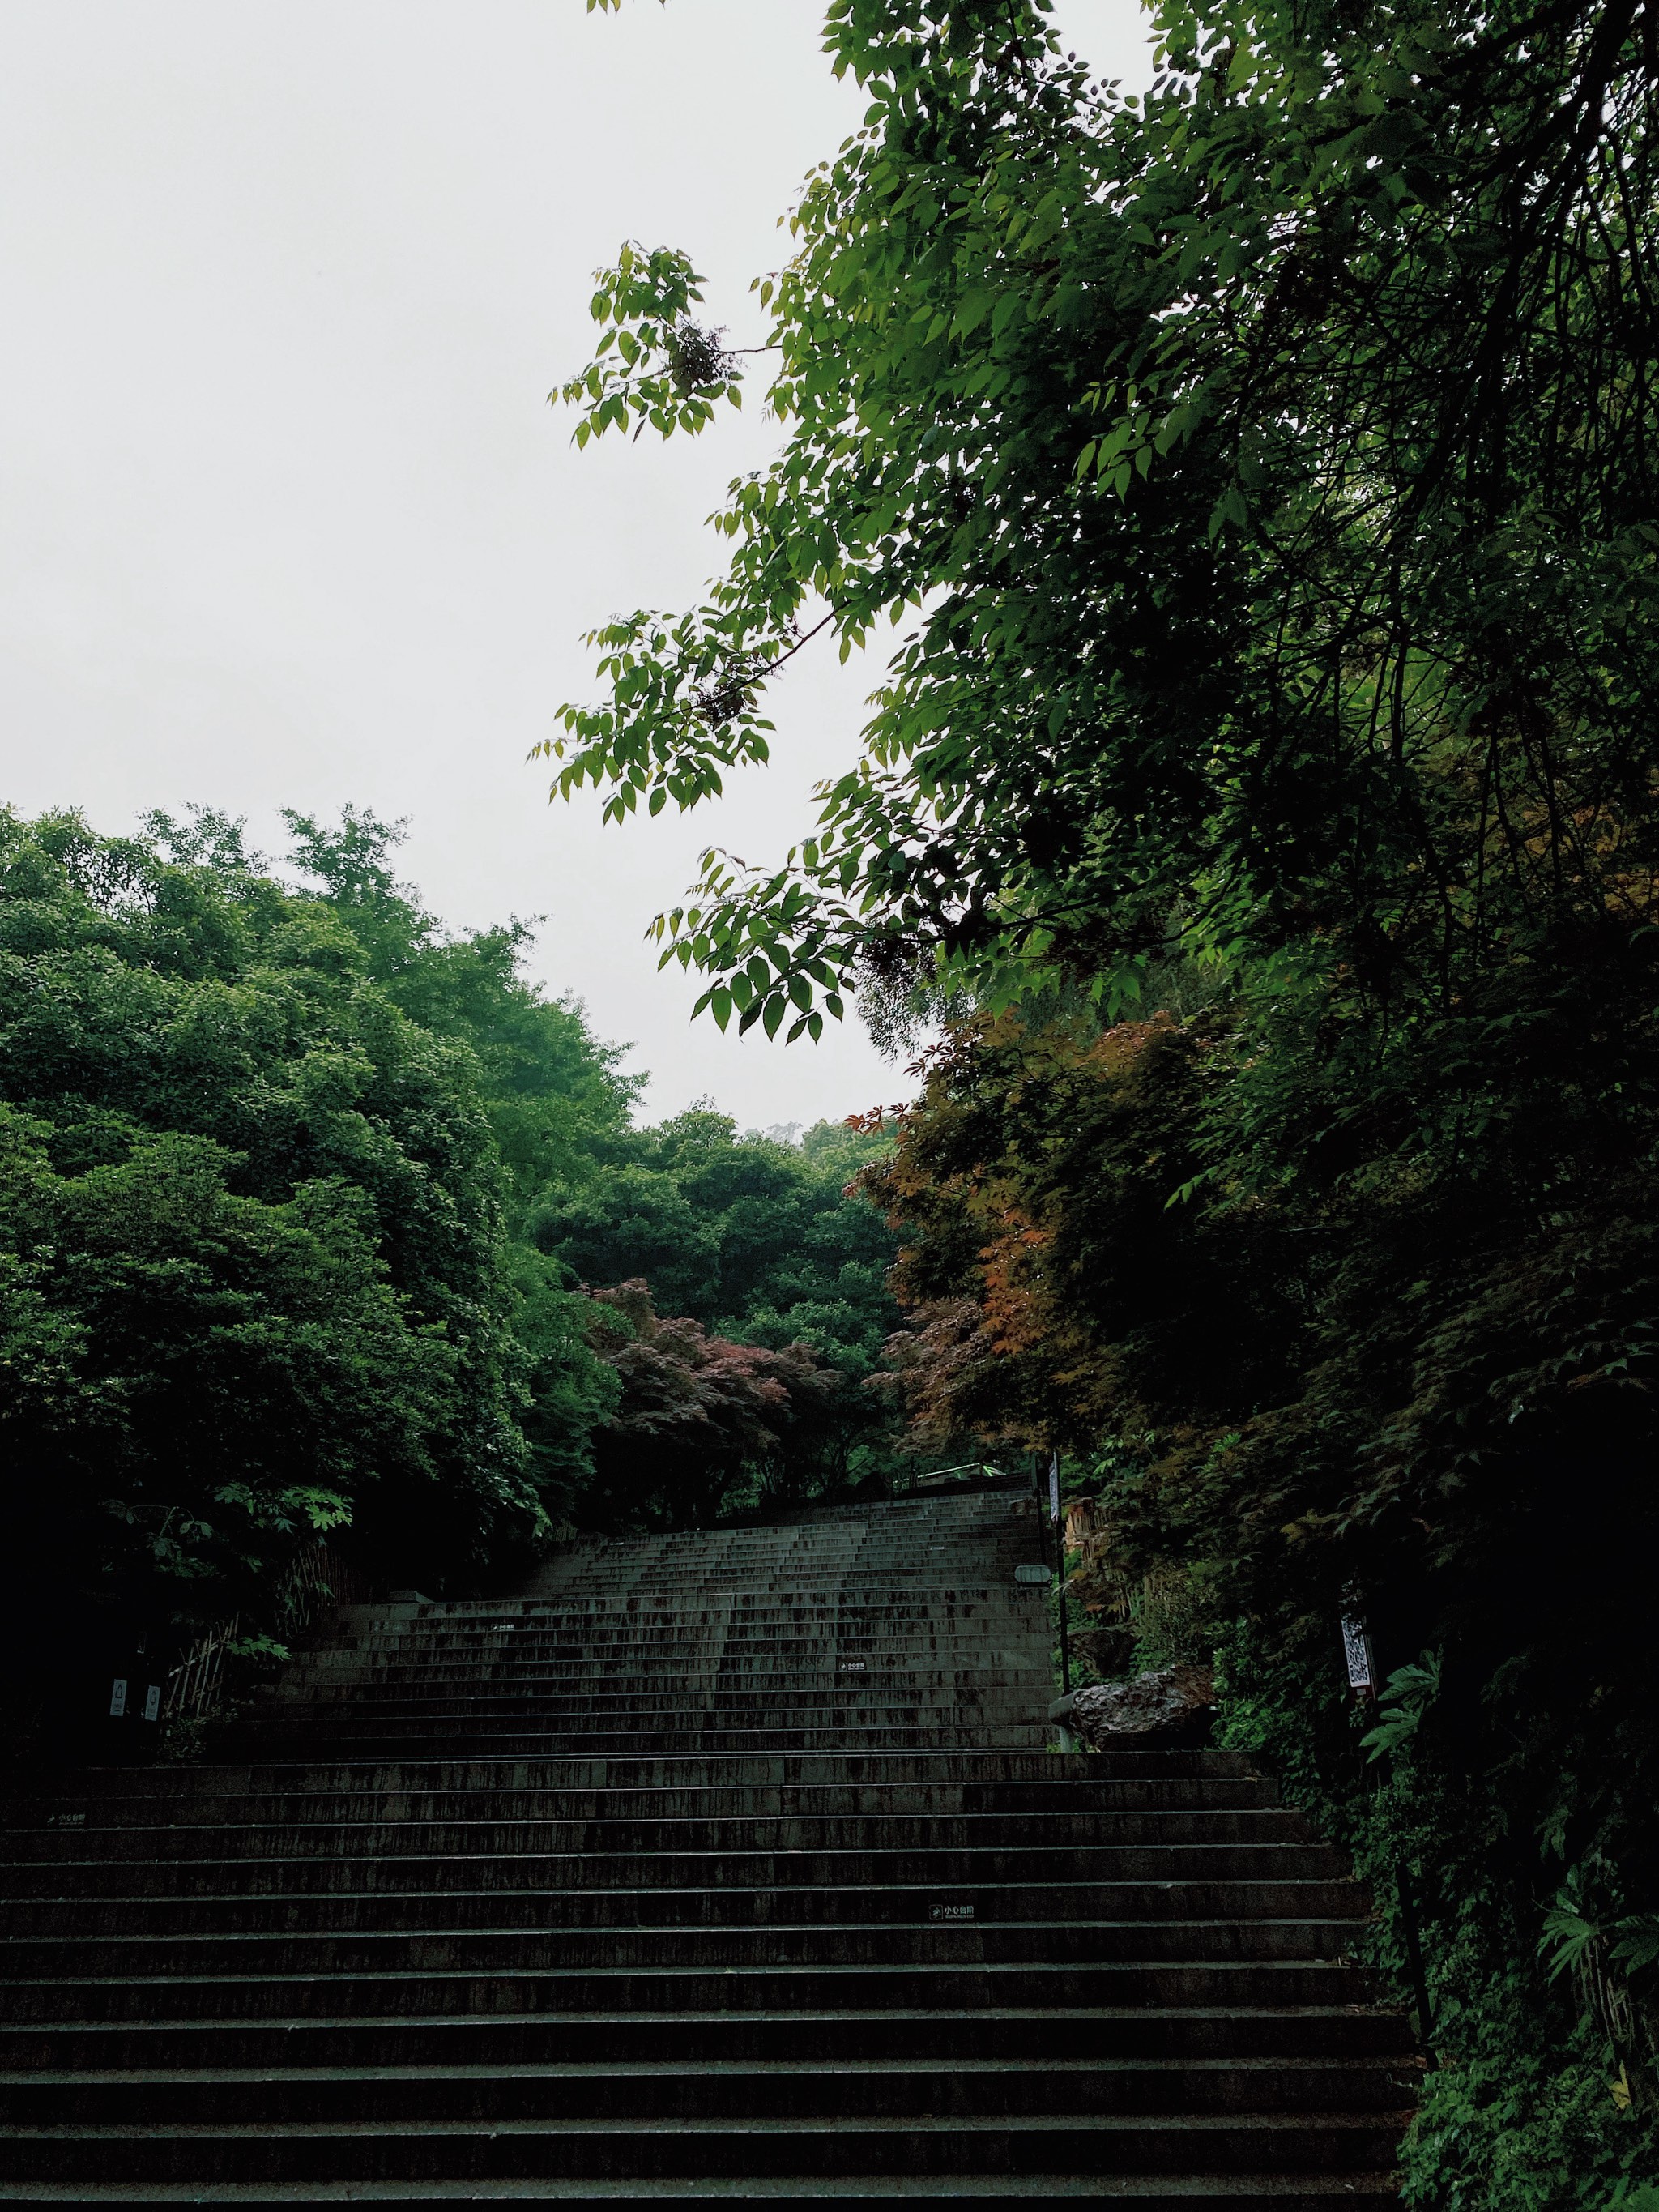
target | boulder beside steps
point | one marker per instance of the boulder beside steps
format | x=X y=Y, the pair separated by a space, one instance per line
x=725 y=1864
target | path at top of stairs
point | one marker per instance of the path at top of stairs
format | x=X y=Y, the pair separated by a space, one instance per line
x=725 y=1864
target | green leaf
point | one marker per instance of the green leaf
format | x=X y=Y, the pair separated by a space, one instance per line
x=1411 y=1691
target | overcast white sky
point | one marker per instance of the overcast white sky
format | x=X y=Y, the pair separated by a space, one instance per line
x=284 y=517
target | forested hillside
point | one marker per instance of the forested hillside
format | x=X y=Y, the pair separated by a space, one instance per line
x=1261 y=473
x=304 y=1199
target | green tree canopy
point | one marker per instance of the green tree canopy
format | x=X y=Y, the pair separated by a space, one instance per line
x=556 y=1095
x=762 y=1241
x=253 y=1270
x=1264 y=467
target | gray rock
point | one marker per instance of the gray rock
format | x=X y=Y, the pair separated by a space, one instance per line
x=1173 y=1703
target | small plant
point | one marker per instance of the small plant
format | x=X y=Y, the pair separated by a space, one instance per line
x=1411 y=1691
x=1570 y=1938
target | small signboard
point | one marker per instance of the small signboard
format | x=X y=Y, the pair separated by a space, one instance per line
x=952 y=1912
x=1032 y=1573
x=1357 y=1650
x=118 y=1698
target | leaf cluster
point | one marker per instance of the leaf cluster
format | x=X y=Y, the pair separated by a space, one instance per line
x=1264 y=468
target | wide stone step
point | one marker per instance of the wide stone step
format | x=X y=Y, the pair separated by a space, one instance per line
x=868 y=2088
x=728 y=1703
x=942 y=1987
x=993 y=1615
x=816 y=1662
x=800 y=1642
x=818 y=1667
x=844 y=1770
x=1199 y=1838
x=842 y=2034
x=735 y=1594
x=1130 y=2193
x=1105 y=2144
x=206 y=1899
x=245 y=1852
x=810 y=1661
x=356 y=1736
x=950 y=1938
x=333 y=1674
x=202 y=1795
x=392 y=1828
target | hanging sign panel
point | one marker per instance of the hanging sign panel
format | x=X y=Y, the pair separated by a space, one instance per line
x=1357 y=1650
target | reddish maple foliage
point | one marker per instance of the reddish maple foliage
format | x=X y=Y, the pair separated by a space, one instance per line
x=1057 y=1289
x=696 y=1409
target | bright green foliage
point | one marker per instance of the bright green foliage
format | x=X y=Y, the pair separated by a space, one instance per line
x=556 y=1103
x=568 y=1392
x=1529 y=2106
x=756 y=1239
x=553 y=1092
x=1263 y=464
x=262 y=1154
x=752 y=1238
x=252 y=1235
x=734 y=1226
x=653 y=363
x=1410 y=1692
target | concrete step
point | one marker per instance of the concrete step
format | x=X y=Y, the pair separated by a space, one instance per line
x=197 y=1903
x=843 y=2034
x=509 y=1815
x=401 y=1941
x=329 y=1674
x=981 y=1647
x=994 y=1612
x=852 y=1702
x=928 y=1770
x=241 y=1854
x=866 y=2088
x=1103 y=2144
x=970 y=1984
x=459 y=1792
x=1130 y=2193
x=511 y=1738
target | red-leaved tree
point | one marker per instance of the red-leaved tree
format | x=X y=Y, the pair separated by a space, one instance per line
x=698 y=1414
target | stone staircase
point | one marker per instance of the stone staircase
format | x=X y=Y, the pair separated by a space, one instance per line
x=730 y=1864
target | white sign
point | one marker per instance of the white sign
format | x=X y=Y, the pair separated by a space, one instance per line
x=1357 y=1650
x=118 y=1699
x=153 y=1701
x=1053 y=1486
